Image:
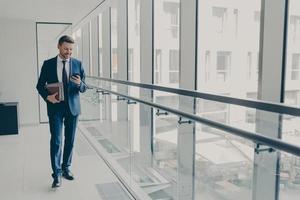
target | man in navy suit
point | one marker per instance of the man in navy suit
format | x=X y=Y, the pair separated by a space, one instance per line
x=69 y=71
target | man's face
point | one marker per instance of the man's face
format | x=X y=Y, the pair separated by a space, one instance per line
x=65 y=50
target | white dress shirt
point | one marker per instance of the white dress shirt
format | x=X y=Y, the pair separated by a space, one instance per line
x=60 y=67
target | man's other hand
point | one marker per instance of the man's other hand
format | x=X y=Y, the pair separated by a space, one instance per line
x=52 y=98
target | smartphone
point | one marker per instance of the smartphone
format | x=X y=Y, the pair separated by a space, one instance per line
x=75 y=75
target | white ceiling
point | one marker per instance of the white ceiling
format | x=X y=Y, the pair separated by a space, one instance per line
x=70 y=11
x=48 y=32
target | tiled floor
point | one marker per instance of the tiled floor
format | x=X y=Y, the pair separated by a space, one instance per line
x=25 y=172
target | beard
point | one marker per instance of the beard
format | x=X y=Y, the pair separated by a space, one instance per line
x=65 y=56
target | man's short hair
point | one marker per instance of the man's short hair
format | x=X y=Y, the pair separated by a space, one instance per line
x=65 y=38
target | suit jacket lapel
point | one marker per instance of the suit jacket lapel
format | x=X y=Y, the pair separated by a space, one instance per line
x=70 y=69
x=55 y=70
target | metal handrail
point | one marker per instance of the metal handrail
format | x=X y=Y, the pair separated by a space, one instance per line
x=255 y=137
x=257 y=104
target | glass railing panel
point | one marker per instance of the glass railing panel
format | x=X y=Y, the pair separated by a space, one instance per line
x=291 y=129
x=244 y=118
x=157 y=176
x=289 y=185
x=165 y=156
x=223 y=165
x=125 y=145
x=230 y=167
x=110 y=131
x=90 y=101
x=120 y=134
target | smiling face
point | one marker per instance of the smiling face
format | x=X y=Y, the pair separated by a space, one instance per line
x=65 y=50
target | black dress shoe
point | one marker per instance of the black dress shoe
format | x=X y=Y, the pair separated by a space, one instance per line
x=56 y=182
x=68 y=175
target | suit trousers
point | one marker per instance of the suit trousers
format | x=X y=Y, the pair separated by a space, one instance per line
x=62 y=117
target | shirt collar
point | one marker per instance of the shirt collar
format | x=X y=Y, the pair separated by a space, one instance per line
x=60 y=59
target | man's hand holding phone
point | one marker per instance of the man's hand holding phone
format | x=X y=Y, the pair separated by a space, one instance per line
x=76 y=79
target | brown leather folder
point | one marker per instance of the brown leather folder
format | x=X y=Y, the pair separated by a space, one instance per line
x=58 y=88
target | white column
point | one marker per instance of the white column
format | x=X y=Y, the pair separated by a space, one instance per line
x=265 y=180
x=122 y=55
x=94 y=35
x=106 y=59
x=146 y=70
x=186 y=132
x=86 y=48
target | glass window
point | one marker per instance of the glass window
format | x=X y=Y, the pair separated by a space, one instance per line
x=223 y=65
x=207 y=66
x=295 y=66
x=130 y=64
x=292 y=97
x=292 y=84
x=157 y=66
x=223 y=58
x=174 y=66
x=295 y=27
x=227 y=64
x=236 y=19
x=114 y=42
x=172 y=9
x=166 y=42
x=252 y=64
x=249 y=64
x=289 y=165
x=219 y=15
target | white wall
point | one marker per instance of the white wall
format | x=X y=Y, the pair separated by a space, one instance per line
x=18 y=67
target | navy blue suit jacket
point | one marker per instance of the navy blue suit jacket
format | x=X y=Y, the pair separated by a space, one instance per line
x=49 y=75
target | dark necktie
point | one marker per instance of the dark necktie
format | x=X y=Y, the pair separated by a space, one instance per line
x=65 y=80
